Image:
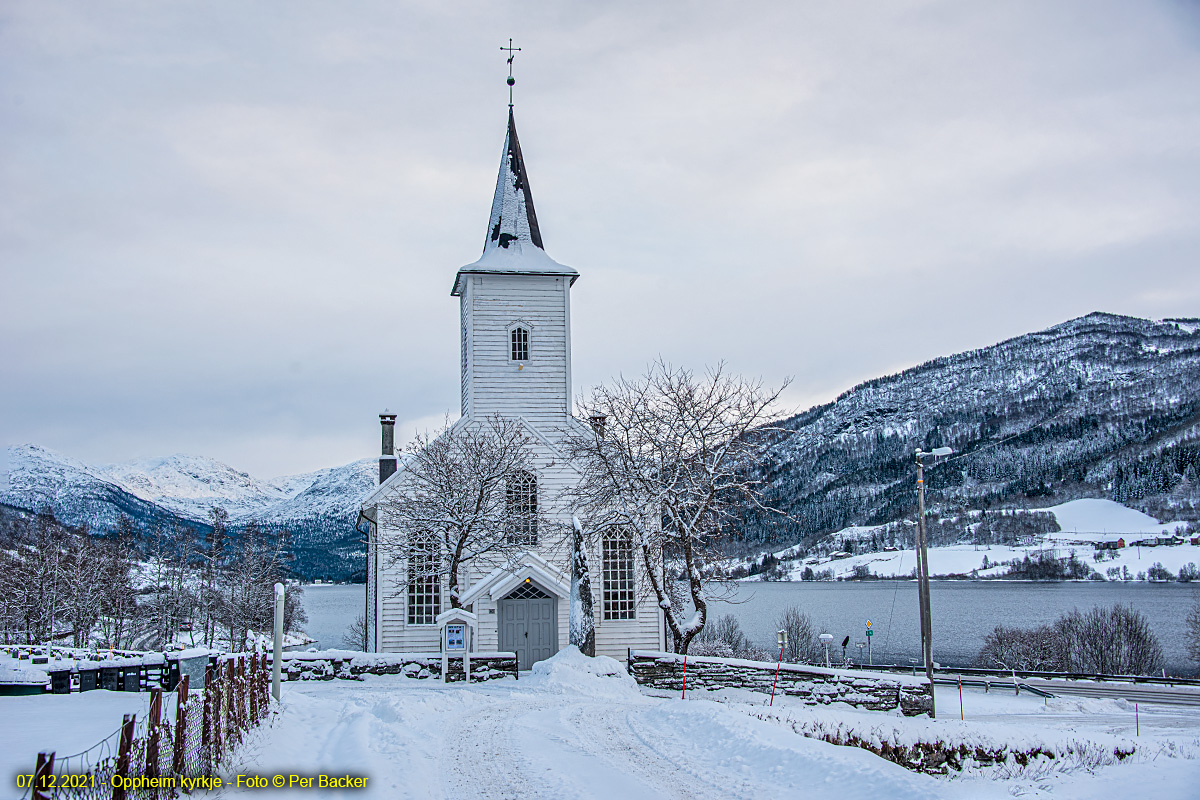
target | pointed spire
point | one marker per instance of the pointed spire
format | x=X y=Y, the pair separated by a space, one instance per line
x=513 y=218
x=514 y=240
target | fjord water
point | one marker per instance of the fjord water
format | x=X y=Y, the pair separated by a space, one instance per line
x=963 y=612
x=331 y=609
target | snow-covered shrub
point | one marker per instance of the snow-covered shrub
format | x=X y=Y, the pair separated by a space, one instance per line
x=929 y=747
x=1105 y=641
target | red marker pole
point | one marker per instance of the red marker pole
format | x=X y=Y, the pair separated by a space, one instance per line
x=960 y=703
x=684 y=696
x=1137 y=720
x=776 y=681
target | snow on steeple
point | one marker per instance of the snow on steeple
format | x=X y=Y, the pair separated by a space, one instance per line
x=514 y=240
x=513 y=219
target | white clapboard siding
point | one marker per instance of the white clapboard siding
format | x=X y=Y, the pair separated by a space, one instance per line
x=540 y=390
x=540 y=394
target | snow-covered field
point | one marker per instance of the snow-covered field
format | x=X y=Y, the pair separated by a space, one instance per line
x=580 y=728
x=1081 y=521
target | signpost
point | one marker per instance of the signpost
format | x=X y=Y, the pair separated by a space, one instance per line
x=870 y=633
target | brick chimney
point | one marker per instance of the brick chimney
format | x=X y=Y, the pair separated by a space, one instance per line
x=387 y=460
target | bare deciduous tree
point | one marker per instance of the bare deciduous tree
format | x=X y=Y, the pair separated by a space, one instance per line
x=1101 y=641
x=1036 y=649
x=676 y=466
x=1191 y=635
x=803 y=647
x=355 y=637
x=464 y=493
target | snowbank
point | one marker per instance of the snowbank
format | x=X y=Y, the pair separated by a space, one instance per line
x=571 y=672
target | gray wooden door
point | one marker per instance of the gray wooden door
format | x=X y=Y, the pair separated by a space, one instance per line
x=528 y=625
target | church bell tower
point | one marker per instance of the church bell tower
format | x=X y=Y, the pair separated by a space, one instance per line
x=515 y=305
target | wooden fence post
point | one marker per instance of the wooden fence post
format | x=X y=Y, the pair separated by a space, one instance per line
x=41 y=775
x=241 y=693
x=218 y=716
x=118 y=792
x=179 y=762
x=152 y=734
x=206 y=721
x=254 y=667
x=230 y=692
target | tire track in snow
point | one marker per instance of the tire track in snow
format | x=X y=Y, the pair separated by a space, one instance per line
x=479 y=748
x=605 y=732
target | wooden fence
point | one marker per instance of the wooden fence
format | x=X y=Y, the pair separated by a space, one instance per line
x=158 y=757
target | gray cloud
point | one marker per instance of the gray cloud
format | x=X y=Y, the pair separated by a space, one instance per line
x=231 y=229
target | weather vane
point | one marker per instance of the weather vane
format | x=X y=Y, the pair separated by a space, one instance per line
x=512 y=53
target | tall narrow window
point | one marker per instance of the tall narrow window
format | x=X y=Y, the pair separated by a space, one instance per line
x=521 y=500
x=424 y=579
x=519 y=338
x=619 y=591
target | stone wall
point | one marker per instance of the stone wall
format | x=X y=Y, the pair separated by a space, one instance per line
x=816 y=685
x=348 y=665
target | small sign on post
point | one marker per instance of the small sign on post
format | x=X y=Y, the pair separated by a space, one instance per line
x=458 y=629
x=456 y=637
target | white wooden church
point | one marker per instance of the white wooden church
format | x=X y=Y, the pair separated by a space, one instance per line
x=515 y=307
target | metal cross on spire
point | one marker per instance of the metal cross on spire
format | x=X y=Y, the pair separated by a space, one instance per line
x=512 y=53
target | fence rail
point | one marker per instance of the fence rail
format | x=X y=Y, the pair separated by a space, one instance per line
x=159 y=757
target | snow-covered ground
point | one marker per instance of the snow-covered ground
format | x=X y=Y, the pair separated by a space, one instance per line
x=580 y=728
x=1081 y=521
x=1105 y=516
x=963 y=558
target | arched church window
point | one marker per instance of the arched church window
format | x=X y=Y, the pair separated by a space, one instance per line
x=618 y=586
x=519 y=341
x=521 y=502
x=424 y=579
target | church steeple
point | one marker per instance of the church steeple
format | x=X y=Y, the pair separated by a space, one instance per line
x=514 y=240
x=513 y=219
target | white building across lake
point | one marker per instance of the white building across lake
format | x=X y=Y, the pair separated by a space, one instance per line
x=515 y=307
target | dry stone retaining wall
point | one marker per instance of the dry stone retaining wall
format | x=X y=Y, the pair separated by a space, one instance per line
x=816 y=685
x=327 y=665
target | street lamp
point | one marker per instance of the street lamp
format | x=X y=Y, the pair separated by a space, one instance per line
x=924 y=458
x=826 y=638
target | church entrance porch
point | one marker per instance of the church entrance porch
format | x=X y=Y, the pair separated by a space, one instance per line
x=529 y=624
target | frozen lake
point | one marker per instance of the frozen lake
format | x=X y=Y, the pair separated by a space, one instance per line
x=963 y=612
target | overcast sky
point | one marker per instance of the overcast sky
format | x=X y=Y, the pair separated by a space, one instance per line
x=230 y=228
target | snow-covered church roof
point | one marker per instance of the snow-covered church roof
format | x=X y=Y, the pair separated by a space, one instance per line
x=514 y=241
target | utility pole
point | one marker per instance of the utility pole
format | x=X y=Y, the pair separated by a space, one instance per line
x=923 y=570
x=923 y=584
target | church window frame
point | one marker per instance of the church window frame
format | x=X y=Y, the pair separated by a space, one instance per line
x=521 y=508
x=618 y=576
x=520 y=341
x=424 y=585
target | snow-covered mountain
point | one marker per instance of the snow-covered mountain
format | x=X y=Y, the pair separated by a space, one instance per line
x=319 y=508
x=1099 y=406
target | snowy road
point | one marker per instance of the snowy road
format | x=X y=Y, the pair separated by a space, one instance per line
x=565 y=734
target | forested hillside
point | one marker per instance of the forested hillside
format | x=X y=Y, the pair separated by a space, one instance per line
x=1100 y=406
